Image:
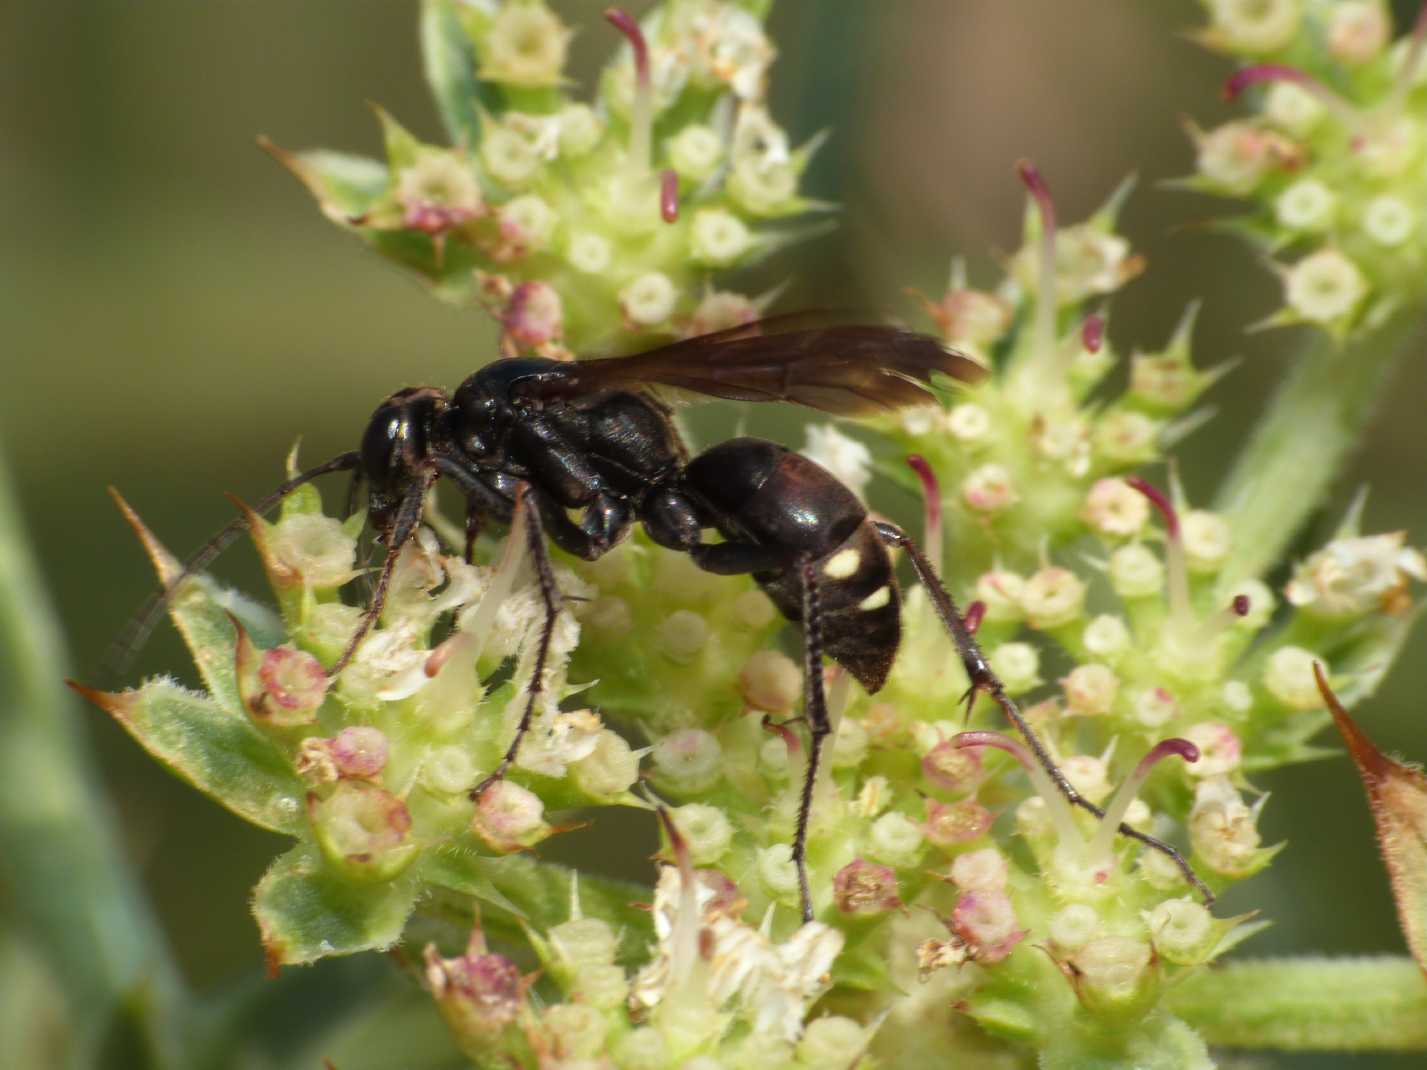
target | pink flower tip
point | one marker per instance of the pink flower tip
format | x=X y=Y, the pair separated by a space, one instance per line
x=1263 y=72
x=1092 y=333
x=1160 y=501
x=669 y=195
x=1241 y=605
x=975 y=614
x=626 y=24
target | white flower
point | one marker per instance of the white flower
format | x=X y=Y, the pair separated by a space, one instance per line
x=707 y=958
x=1358 y=575
x=1324 y=286
x=845 y=457
x=1292 y=108
x=1113 y=507
x=1389 y=220
x=1289 y=678
x=718 y=237
x=1254 y=25
x=524 y=46
x=1358 y=30
x=649 y=300
x=1307 y=205
x=695 y=152
x=589 y=252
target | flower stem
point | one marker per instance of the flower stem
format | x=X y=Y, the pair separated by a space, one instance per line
x=1303 y=1004
x=1315 y=419
x=70 y=884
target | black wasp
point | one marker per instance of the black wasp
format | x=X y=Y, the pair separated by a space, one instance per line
x=549 y=440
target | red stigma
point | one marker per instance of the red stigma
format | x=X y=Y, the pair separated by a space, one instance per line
x=931 y=491
x=1033 y=181
x=626 y=24
x=1165 y=748
x=1092 y=333
x=1159 y=501
x=669 y=194
x=1264 y=72
x=974 y=615
x=1241 y=605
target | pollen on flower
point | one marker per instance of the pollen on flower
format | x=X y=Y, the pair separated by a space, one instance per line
x=719 y=309
x=968 y=422
x=849 y=745
x=1089 y=775
x=1220 y=749
x=580 y=129
x=845 y=457
x=478 y=994
x=1111 y=970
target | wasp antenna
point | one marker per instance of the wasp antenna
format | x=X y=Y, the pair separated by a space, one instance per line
x=141 y=625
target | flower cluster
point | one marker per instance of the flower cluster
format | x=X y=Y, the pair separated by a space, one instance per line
x=1332 y=157
x=963 y=905
x=574 y=222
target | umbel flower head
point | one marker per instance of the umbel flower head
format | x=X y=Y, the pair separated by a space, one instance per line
x=578 y=224
x=962 y=905
x=1331 y=156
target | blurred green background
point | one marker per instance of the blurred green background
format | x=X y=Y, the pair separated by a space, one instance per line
x=177 y=312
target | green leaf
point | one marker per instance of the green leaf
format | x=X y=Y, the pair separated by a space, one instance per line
x=307 y=911
x=543 y=891
x=219 y=752
x=346 y=187
x=199 y=610
x=449 y=60
x=1308 y=1004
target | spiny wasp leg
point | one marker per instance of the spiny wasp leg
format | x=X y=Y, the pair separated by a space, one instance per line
x=985 y=681
x=528 y=510
x=819 y=723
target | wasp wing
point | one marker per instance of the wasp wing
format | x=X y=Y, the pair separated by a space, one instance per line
x=846 y=370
